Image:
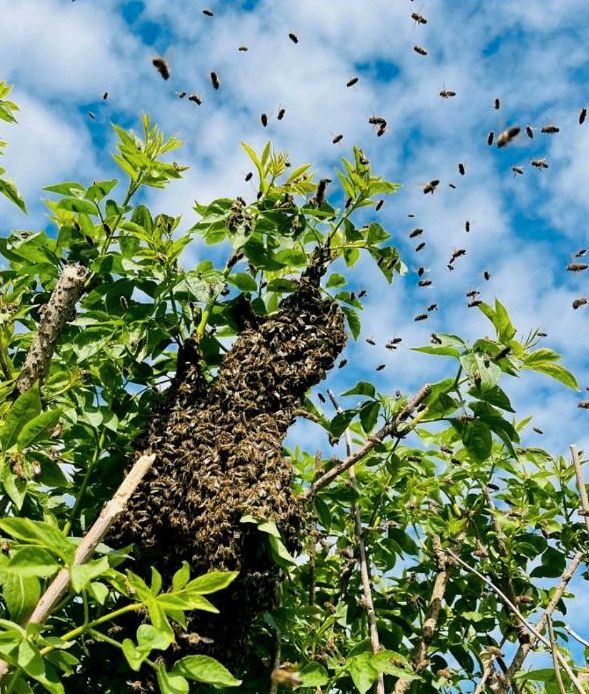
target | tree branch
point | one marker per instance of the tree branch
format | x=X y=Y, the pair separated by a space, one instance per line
x=58 y=311
x=554 y=652
x=85 y=549
x=388 y=429
x=364 y=565
x=581 y=485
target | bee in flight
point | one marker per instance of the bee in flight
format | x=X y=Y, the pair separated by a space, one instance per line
x=507 y=136
x=418 y=18
x=293 y=37
x=162 y=67
x=352 y=82
x=420 y=50
x=539 y=163
x=431 y=186
x=517 y=170
x=550 y=129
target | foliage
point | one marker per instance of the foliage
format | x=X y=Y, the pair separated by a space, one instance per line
x=457 y=475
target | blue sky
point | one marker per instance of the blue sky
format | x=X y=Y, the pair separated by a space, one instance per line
x=61 y=56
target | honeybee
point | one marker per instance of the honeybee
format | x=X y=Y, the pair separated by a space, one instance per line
x=432 y=307
x=507 y=136
x=91 y=115
x=105 y=96
x=293 y=37
x=180 y=95
x=342 y=363
x=447 y=93
x=248 y=176
x=370 y=341
x=461 y=169
x=431 y=186
x=539 y=163
x=424 y=283
x=411 y=215
x=381 y=130
x=419 y=18
x=487 y=275
x=416 y=232
x=215 y=81
x=420 y=271
x=264 y=119
x=577 y=303
x=456 y=254
x=337 y=138
x=530 y=132
x=582 y=116
x=421 y=316
x=451 y=185
x=321 y=398
x=541 y=334
x=195 y=98
x=208 y=13
x=584 y=404
x=320 y=194
x=502 y=353
x=377 y=120
x=550 y=129
x=379 y=204
x=420 y=50
x=577 y=267
x=467 y=225
x=537 y=430
x=281 y=113
x=435 y=339
x=474 y=303
x=581 y=252
x=497 y=104
x=420 y=247
x=471 y=293
x=490 y=138
x=243 y=49
x=281 y=676
x=162 y=67
x=380 y=367
x=352 y=82
x=517 y=170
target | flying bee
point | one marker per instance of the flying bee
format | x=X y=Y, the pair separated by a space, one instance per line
x=451 y=185
x=420 y=50
x=474 y=302
x=162 y=67
x=584 y=404
x=195 y=98
x=582 y=116
x=472 y=292
x=577 y=267
x=418 y=18
x=243 y=49
x=381 y=130
x=321 y=398
x=215 y=81
x=320 y=194
x=421 y=316
x=577 y=303
x=424 y=283
x=379 y=204
x=352 y=82
x=541 y=334
x=342 y=363
x=293 y=37
x=105 y=96
x=432 y=307
x=435 y=339
x=420 y=247
x=395 y=340
x=539 y=163
x=497 y=104
x=537 y=430
x=380 y=367
x=411 y=215
x=517 y=170
x=281 y=112
x=467 y=225
x=91 y=115
x=264 y=119
x=507 y=136
x=248 y=176
x=446 y=449
x=337 y=138
x=487 y=275
x=377 y=120
x=490 y=138
x=180 y=95
x=208 y=13
x=530 y=132
x=420 y=271
x=370 y=341
x=550 y=129
x=416 y=232
x=580 y=253
x=431 y=186
x=461 y=169
x=447 y=93
x=281 y=676
x=502 y=353
x=456 y=254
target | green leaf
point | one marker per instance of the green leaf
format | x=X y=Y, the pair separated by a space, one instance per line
x=477 y=439
x=84 y=573
x=39 y=533
x=353 y=321
x=243 y=281
x=555 y=371
x=391 y=663
x=369 y=415
x=181 y=577
x=202 y=668
x=171 y=683
x=33 y=430
x=134 y=656
x=21 y=594
x=100 y=189
x=78 y=205
x=32 y=561
x=25 y=408
x=361 y=388
x=69 y=188
x=362 y=672
x=336 y=280
x=8 y=189
x=341 y=422
x=505 y=330
x=211 y=582
x=314 y=675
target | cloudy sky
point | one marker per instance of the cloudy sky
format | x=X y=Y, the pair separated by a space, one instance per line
x=62 y=56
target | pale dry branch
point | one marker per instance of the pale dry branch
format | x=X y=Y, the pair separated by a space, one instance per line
x=85 y=549
x=580 y=639
x=58 y=311
x=553 y=651
x=581 y=485
x=391 y=428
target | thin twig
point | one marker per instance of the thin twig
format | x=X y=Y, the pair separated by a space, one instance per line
x=58 y=311
x=520 y=616
x=420 y=659
x=364 y=564
x=85 y=549
x=554 y=652
x=581 y=485
x=576 y=636
x=388 y=429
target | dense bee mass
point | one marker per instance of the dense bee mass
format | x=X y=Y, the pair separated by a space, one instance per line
x=219 y=458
